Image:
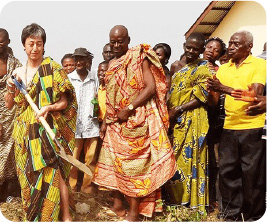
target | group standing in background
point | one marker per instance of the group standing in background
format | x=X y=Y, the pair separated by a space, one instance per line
x=137 y=125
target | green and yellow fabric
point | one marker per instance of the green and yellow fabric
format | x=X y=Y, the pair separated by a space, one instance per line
x=38 y=165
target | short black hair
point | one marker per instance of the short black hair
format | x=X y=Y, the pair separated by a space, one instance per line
x=218 y=40
x=5 y=32
x=106 y=45
x=166 y=48
x=103 y=63
x=33 y=30
x=68 y=55
x=198 y=36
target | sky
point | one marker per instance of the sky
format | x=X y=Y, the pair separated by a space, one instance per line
x=70 y=24
x=73 y=24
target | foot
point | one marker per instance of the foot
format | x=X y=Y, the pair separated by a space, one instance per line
x=132 y=217
x=66 y=218
x=120 y=212
x=89 y=190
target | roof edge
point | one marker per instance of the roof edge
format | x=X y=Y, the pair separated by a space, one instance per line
x=200 y=18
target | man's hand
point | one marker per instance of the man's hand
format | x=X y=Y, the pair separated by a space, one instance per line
x=246 y=95
x=103 y=129
x=124 y=114
x=213 y=84
x=258 y=107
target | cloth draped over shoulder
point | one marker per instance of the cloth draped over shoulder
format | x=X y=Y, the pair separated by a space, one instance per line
x=190 y=182
x=136 y=157
x=38 y=165
x=7 y=163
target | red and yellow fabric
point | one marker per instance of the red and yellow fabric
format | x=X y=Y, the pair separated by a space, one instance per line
x=136 y=157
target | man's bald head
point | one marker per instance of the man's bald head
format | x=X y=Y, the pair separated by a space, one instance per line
x=119 y=30
x=119 y=40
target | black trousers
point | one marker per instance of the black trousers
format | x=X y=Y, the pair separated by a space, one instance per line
x=242 y=173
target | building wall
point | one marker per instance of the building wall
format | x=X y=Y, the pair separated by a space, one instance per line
x=244 y=15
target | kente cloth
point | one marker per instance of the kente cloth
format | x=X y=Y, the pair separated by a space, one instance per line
x=7 y=163
x=38 y=165
x=136 y=157
x=189 y=185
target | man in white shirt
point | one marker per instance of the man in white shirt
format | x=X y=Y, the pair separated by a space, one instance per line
x=85 y=83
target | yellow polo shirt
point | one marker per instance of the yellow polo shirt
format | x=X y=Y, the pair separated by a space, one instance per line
x=252 y=70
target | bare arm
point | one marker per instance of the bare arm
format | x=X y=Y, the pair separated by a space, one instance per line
x=149 y=89
x=178 y=110
x=145 y=94
x=172 y=69
x=9 y=96
x=215 y=88
x=253 y=95
x=59 y=105
x=258 y=107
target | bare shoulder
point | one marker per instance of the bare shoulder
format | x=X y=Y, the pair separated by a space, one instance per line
x=175 y=63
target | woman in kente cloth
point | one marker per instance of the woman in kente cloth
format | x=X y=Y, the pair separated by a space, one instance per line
x=42 y=174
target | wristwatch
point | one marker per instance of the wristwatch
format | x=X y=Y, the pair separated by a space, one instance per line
x=130 y=107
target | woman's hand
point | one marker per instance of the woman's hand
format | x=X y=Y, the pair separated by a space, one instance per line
x=43 y=112
x=172 y=113
x=175 y=112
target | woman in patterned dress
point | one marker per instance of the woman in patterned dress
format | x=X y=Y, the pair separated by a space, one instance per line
x=188 y=116
x=42 y=175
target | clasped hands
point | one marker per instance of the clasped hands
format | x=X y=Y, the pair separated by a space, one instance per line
x=123 y=116
x=258 y=103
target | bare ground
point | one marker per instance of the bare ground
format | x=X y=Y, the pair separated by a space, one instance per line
x=95 y=208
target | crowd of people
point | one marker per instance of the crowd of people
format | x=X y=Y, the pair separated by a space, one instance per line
x=192 y=135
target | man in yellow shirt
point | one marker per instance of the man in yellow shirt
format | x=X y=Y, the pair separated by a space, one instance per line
x=242 y=151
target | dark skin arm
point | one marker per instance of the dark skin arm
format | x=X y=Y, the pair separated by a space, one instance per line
x=258 y=107
x=103 y=128
x=144 y=95
x=253 y=95
x=215 y=88
x=248 y=95
x=177 y=111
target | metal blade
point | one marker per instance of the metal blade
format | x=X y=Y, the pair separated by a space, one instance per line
x=81 y=166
